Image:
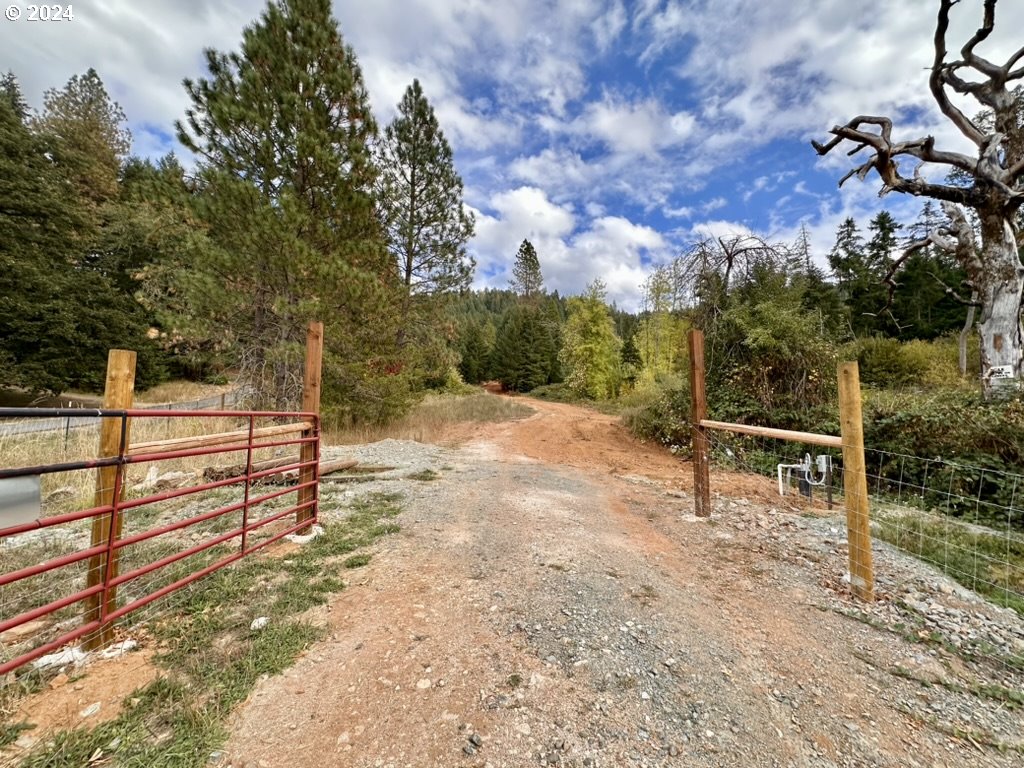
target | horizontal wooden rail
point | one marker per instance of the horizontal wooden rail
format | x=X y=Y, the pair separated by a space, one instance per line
x=812 y=438
x=220 y=438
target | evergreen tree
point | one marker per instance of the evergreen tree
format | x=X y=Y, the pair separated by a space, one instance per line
x=590 y=348
x=38 y=219
x=860 y=270
x=553 y=315
x=820 y=299
x=282 y=130
x=921 y=304
x=884 y=240
x=475 y=354
x=91 y=141
x=802 y=249
x=420 y=201
x=10 y=91
x=71 y=298
x=527 y=280
x=521 y=359
x=873 y=295
x=630 y=361
x=847 y=255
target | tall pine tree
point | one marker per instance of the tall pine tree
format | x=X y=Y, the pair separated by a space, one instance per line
x=78 y=299
x=91 y=139
x=38 y=228
x=527 y=280
x=420 y=201
x=282 y=130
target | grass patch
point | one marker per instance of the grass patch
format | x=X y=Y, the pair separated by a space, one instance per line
x=563 y=393
x=426 y=476
x=357 y=561
x=213 y=659
x=989 y=562
x=9 y=732
x=1010 y=698
x=182 y=391
x=427 y=421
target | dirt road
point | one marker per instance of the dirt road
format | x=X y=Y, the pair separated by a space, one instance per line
x=552 y=601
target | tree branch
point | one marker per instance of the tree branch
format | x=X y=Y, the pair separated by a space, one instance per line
x=890 y=276
x=939 y=69
x=1011 y=61
x=882 y=160
x=954 y=294
x=970 y=57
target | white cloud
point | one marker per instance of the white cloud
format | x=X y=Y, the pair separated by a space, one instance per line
x=613 y=248
x=609 y=26
x=560 y=171
x=141 y=52
x=689 y=211
x=824 y=61
x=634 y=127
x=583 y=121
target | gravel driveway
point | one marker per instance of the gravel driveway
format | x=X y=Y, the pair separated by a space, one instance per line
x=552 y=601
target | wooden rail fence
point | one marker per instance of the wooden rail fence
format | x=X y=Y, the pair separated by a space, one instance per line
x=851 y=441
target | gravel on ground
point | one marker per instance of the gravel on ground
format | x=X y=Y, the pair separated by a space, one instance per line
x=551 y=600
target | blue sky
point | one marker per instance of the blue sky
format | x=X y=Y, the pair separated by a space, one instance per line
x=610 y=133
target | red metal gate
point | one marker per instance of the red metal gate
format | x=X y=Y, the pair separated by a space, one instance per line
x=194 y=524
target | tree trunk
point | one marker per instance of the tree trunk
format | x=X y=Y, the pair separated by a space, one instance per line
x=965 y=334
x=1000 y=286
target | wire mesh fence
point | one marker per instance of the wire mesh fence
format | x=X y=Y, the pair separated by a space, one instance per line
x=963 y=525
x=69 y=422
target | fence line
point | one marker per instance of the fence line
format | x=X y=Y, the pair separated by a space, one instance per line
x=851 y=441
x=966 y=522
x=25 y=425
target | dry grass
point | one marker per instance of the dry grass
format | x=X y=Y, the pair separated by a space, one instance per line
x=428 y=420
x=181 y=391
x=66 y=491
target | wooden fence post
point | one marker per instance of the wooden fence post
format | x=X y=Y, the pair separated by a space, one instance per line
x=855 y=483
x=699 y=412
x=310 y=404
x=118 y=395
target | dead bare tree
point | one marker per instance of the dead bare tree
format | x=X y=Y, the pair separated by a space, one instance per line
x=995 y=190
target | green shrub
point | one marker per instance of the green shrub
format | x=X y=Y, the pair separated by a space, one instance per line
x=940 y=360
x=959 y=452
x=662 y=414
x=885 y=362
x=556 y=393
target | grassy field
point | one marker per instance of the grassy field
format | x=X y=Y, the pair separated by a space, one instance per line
x=210 y=656
x=66 y=491
x=429 y=419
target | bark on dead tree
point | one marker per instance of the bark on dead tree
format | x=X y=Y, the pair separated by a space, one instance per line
x=996 y=192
